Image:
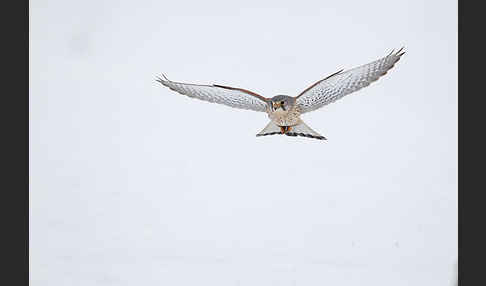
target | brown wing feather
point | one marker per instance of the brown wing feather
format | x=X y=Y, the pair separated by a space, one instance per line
x=342 y=83
x=318 y=82
x=230 y=96
x=242 y=90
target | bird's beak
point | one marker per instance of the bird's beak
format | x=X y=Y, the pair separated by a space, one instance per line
x=276 y=105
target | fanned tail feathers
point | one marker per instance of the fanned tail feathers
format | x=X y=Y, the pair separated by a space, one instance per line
x=298 y=130
x=270 y=129
x=303 y=130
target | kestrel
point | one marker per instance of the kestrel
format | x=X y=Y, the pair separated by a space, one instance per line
x=284 y=111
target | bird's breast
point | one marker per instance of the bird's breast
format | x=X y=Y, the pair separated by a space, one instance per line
x=285 y=117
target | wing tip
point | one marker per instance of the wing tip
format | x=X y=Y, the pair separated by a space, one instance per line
x=159 y=79
x=400 y=52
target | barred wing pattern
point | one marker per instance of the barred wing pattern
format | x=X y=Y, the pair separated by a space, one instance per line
x=341 y=83
x=230 y=96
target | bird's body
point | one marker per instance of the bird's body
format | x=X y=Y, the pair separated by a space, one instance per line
x=283 y=116
x=284 y=111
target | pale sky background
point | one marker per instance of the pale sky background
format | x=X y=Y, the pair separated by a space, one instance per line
x=134 y=184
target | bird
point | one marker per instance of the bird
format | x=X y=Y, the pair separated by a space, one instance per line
x=284 y=111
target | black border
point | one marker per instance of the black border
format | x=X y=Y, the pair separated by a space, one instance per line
x=460 y=113
x=471 y=119
x=14 y=119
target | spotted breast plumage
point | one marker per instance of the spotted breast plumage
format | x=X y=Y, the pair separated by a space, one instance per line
x=284 y=111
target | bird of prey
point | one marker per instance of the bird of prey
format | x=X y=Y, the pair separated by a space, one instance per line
x=284 y=111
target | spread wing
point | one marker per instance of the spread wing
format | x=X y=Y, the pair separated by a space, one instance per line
x=230 y=96
x=342 y=83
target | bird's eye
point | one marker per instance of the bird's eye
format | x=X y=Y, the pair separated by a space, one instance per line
x=281 y=102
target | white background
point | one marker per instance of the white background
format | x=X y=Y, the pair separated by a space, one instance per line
x=134 y=184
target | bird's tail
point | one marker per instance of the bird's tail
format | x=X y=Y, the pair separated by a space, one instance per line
x=270 y=129
x=300 y=129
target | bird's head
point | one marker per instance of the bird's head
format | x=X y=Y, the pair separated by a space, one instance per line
x=282 y=102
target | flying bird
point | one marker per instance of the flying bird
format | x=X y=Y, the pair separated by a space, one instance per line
x=284 y=111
